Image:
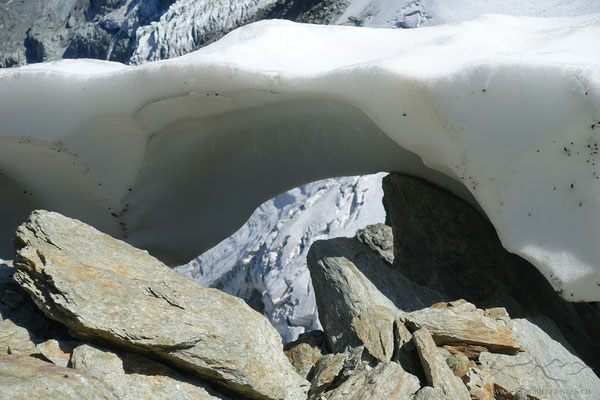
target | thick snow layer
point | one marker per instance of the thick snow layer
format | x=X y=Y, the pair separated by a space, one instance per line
x=174 y=155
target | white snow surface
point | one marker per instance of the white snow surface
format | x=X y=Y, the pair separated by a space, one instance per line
x=182 y=150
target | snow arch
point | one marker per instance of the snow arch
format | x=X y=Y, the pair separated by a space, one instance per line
x=174 y=155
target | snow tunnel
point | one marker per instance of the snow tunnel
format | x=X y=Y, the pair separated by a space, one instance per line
x=173 y=156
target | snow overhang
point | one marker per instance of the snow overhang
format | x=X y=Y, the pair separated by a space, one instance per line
x=173 y=156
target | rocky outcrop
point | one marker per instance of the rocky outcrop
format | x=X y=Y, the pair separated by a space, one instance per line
x=109 y=292
x=23 y=377
x=124 y=305
x=33 y=32
x=459 y=350
x=442 y=242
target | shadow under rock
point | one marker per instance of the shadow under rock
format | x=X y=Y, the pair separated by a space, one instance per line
x=17 y=307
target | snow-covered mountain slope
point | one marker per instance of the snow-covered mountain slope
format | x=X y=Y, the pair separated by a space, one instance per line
x=417 y=13
x=264 y=262
x=172 y=155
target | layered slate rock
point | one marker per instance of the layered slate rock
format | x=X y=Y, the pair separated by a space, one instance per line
x=359 y=296
x=460 y=322
x=23 y=377
x=131 y=376
x=109 y=292
x=444 y=243
x=438 y=374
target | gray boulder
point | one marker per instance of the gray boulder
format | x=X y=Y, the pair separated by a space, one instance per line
x=24 y=377
x=109 y=292
x=359 y=295
x=380 y=239
x=131 y=376
x=442 y=242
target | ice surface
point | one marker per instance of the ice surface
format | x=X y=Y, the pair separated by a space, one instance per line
x=174 y=155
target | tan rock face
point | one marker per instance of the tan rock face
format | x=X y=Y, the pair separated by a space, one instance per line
x=58 y=352
x=480 y=384
x=29 y=378
x=438 y=374
x=375 y=329
x=106 y=290
x=132 y=377
x=460 y=322
x=304 y=353
x=459 y=364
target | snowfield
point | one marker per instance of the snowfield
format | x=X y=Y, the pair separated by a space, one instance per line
x=173 y=156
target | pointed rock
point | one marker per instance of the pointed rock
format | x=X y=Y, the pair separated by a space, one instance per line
x=444 y=243
x=355 y=288
x=105 y=290
x=438 y=374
